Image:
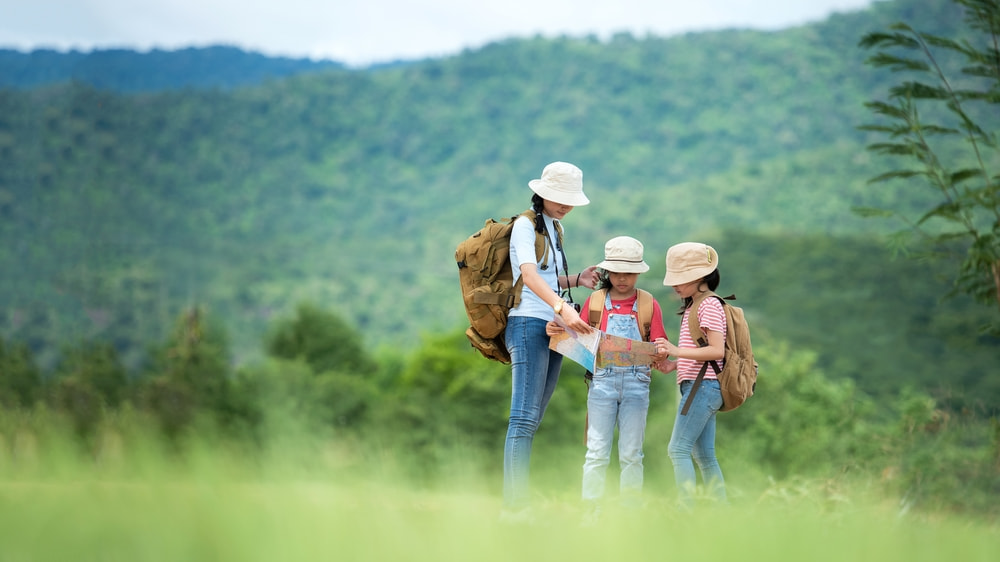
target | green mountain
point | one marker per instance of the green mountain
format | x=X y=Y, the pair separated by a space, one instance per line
x=124 y=70
x=351 y=188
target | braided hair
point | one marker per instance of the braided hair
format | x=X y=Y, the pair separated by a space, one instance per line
x=537 y=205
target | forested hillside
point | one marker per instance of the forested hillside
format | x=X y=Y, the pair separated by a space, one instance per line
x=122 y=70
x=122 y=202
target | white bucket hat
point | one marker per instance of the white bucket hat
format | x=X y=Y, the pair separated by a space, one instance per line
x=561 y=183
x=623 y=254
x=689 y=261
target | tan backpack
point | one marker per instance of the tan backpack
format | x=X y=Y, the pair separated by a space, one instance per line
x=738 y=377
x=487 y=281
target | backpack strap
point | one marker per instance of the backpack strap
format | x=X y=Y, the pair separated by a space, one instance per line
x=541 y=252
x=541 y=248
x=596 y=307
x=694 y=329
x=697 y=335
x=693 y=326
x=645 y=313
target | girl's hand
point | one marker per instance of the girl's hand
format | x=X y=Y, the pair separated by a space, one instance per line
x=665 y=348
x=665 y=366
x=552 y=329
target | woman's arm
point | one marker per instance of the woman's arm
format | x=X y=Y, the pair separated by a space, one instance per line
x=587 y=278
x=534 y=281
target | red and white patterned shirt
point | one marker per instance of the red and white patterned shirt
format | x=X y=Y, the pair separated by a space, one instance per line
x=711 y=316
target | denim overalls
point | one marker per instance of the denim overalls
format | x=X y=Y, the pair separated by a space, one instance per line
x=617 y=395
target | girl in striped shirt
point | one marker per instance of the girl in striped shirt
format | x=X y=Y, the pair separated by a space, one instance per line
x=692 y=270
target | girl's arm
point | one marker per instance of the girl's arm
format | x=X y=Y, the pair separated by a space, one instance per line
x=656 y=328
x=715 y=350
x=658 y=332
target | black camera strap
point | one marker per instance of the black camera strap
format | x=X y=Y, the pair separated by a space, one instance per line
x=558 y=245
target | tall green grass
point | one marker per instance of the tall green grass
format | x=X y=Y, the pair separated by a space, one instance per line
x=132 y=497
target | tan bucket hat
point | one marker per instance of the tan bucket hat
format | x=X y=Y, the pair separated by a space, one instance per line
x=562 y=183
x=689 y=261
x=623 y=254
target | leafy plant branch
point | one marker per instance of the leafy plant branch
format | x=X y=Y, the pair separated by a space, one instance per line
x=967 y=218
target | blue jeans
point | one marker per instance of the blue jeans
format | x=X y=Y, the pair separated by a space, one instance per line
x=617 y=395
x=694 y=436
x=534 y=374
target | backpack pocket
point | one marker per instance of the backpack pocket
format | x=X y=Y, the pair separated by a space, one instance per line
x=488 y=313
x=491 y=348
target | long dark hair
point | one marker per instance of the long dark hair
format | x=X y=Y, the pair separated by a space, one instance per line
x=538 y=205
x=712 y=280
x=603 y=280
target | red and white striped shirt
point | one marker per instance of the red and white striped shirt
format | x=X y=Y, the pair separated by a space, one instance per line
x=711 y=316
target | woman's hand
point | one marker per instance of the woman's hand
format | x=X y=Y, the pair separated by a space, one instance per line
x=552 y=328
x=571 y=318
x=589 y=277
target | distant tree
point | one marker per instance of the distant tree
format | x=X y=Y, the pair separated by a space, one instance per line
x=89 y=380
x=190 y=374
x=20 y=378
x=197 y=355
x=447 y=388
x=77 y=399
x=171 y=403
x=443 y=398
x=98 y=366
x=954 y=97
x=281 y=393
x=322 y=340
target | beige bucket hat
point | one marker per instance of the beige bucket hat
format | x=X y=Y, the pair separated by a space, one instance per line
x=623 y=254
x=689 y=261
x=561 y=182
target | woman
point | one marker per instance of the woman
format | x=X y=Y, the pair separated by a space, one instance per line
x=534 y=367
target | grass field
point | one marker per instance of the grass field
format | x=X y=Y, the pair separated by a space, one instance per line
x=216 y=505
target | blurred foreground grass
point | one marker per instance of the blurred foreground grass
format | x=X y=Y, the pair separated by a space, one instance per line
x=244 y=521
x=301 y=503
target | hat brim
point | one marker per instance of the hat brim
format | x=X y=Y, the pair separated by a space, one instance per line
x=623 y=266
x=572 y=198
x=674 y=278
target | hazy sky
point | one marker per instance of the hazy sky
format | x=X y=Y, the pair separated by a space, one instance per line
x=359 y=32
